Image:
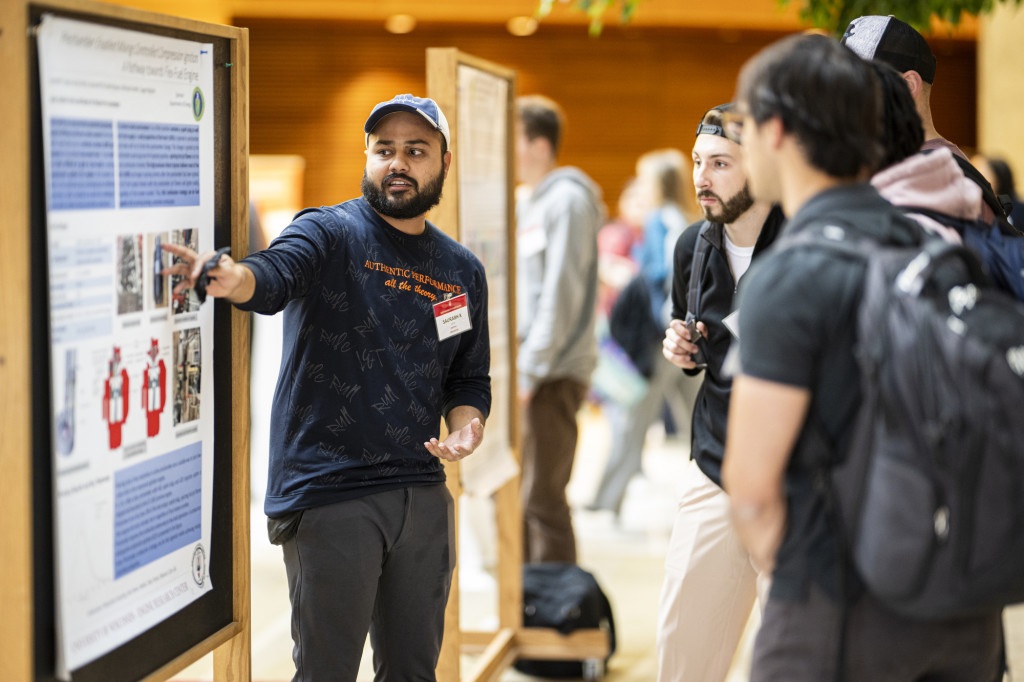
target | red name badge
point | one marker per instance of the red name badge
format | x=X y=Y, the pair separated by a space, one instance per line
x=452 y=316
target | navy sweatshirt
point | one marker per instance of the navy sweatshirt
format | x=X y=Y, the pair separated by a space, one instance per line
x=364 y=378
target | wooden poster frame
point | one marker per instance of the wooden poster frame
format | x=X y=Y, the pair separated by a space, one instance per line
x=221 y=626
x=495 y=650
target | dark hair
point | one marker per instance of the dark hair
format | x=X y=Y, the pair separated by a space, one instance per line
x=1003 y=176
x=902 y=134
x=826 y=97
x=541 y=117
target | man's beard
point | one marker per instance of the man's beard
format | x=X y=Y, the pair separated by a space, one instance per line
x=403 y=208
x=731 y=210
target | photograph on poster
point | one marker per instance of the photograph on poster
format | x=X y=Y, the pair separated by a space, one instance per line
x=185 y=301
x=187 y=374
x=129 y=273
x=156 y=259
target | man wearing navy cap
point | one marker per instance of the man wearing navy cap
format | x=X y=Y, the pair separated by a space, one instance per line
x=896 y=43
x=385 y=333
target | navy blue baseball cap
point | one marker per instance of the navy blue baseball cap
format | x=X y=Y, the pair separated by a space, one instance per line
x=892 y=41
x=424 y=106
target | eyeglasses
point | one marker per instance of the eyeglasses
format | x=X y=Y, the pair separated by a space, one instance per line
x=732 y=126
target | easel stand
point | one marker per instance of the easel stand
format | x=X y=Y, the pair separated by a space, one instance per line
x=496 y=650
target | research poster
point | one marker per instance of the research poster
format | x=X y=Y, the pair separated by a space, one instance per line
x=483 y=227
x=128 y=133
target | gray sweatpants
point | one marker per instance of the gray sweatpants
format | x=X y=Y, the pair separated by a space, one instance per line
x=381 y=563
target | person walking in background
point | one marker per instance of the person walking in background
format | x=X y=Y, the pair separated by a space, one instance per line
x=660 y=175
x=356 y=494
x=997 y=171
x=710 y=582
x=558 y=218
x=616 y=242
x=809 y=122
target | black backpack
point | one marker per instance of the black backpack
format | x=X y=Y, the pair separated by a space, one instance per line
x=632 y=325
x=565 y=597
x=928 y=501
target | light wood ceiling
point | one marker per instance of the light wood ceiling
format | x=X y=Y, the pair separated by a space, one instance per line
x=732 y=15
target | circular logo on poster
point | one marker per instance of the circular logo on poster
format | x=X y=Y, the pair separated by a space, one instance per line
x=198 y=104
x=199 y=565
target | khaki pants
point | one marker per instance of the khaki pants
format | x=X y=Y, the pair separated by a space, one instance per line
x=709 y=590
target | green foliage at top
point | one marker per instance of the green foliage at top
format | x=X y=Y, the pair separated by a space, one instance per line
x=595 y=9
x=831 y=15
x=836 y=15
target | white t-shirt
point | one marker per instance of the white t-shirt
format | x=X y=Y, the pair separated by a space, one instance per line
x=739 y=257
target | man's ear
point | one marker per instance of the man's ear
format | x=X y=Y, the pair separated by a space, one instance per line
x=447 y=163
x=772 y=131
x=914 y=82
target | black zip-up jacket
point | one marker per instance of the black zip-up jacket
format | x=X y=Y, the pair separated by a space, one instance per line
x=718 y=289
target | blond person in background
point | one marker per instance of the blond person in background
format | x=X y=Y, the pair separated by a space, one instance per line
x=660 y=179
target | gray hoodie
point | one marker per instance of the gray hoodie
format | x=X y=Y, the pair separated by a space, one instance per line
x=556 y=278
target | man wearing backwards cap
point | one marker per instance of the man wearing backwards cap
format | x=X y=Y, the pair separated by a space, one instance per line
x=710 y=582
x=385 y=333
x=896 y=43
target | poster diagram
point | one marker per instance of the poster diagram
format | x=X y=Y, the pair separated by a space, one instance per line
x=154 y=390
x=128 y=153
x=115 y=398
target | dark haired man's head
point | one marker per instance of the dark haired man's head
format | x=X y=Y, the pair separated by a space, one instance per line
x=539 y=128
x=825 y=96
x=541 y=117
x=902 y=133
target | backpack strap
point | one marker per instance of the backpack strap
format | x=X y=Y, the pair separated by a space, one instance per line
x=961 y=225
x=700 y=260
x=988 y=194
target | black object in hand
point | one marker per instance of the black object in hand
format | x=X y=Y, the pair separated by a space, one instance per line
x=695 y=337
x=204 y=277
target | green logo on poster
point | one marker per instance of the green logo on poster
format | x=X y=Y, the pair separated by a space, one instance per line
x=198 y=104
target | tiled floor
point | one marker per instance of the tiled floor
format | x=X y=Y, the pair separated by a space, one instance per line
x=626 y=555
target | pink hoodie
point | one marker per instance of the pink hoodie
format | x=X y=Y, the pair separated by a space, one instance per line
x=933 y=181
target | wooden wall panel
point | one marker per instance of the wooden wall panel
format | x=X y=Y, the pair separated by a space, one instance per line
x=632 y=90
